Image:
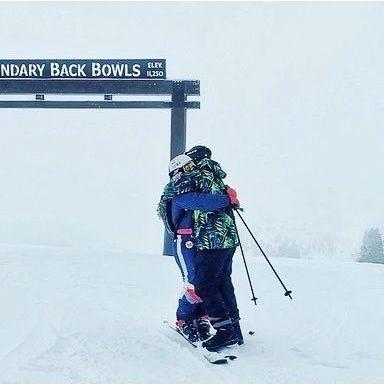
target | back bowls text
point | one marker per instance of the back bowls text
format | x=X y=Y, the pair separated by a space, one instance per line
x=76 y=70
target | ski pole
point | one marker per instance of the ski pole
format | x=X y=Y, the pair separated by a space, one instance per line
x=287 y=293
x=245 y=262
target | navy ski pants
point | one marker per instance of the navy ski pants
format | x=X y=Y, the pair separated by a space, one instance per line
x=210 y=273
x=213 y=283
x=185 y=256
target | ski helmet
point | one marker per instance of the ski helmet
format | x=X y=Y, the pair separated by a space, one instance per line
x=178 y=162
x=198 y=153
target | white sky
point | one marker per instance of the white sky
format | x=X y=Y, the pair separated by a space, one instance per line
x=291 y=105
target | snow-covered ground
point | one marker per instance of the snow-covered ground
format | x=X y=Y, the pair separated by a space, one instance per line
x=95 y=316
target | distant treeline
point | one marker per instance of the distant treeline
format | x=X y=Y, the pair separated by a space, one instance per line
x=371 y=250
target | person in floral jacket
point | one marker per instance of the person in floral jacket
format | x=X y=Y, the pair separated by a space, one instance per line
x=196 y=208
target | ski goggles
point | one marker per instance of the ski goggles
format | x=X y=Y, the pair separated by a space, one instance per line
x=186 y=168
x=189 y=167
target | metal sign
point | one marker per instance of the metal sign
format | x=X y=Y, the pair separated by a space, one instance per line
x=83 y=69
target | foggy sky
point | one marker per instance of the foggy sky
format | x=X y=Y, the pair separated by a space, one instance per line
x=291 y=106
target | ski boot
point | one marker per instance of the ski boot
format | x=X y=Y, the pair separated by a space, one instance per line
x=225 y=336
x=188 y=329
x=237 y=331
x=203 y=328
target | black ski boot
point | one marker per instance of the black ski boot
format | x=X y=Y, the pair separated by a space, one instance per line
x=224 y=337
x=237 y=332
x=188 y=329
x=203 y=328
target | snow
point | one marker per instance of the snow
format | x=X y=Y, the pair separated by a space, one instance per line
x=73 y=315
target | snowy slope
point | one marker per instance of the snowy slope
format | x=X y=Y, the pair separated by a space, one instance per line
x=94 y=316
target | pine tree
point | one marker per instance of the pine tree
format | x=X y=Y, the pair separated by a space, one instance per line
x=372 y=250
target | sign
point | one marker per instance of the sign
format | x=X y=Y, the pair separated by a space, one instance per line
x=83 y=69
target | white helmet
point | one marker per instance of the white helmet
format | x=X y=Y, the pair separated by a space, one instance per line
x=178 y=162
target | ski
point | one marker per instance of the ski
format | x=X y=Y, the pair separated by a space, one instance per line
x=212 y=357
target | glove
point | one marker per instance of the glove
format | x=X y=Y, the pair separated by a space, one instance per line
x=233 y=197
x=191 y=295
